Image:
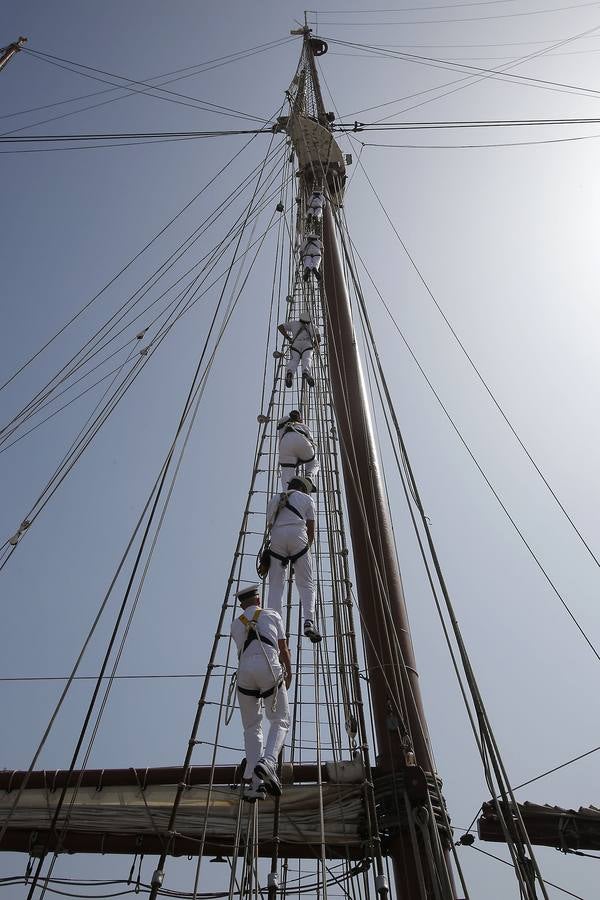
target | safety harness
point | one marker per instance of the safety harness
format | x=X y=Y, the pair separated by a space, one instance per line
x=284 y=560
x=309 y=337
x=284 y=503
x=312 y=248
x=265 y=553
x=301 y=352
x=317 y=201
x=253 y=634
x=290 y=428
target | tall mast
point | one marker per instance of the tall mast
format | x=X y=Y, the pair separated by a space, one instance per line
x=399 y=717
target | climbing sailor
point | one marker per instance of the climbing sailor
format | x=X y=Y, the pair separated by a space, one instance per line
x=291 y=529
x=296 y=447
x=311 y=253
x=303 y=338
x=314 y=208
x=263 y=676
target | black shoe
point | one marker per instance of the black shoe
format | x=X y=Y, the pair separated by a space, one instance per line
x=309 y=379
x=265 y=770
x=311 y=633
x=251 y=795
x=288 y=379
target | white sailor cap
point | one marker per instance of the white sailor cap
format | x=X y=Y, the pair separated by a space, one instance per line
x=250 y=591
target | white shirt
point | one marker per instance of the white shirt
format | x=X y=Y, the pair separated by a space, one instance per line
x=269 y=625
x=302 y=332
x=300 y=501
x=299 y=427
x=317 y=201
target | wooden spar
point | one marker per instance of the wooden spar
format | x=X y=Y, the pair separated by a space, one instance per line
x=393 y=678
x=10 y=51
x=306 y=773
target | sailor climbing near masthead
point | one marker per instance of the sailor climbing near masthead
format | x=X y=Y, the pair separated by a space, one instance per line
x=314 y=208
x=303 y=338
x=290 y=534
x=296 y=448
x=311 y=254
x=263 y=677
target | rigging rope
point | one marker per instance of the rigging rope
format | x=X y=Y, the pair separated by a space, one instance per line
x=78 y=360
x=206 y=67
x=121 y=271
x=193 y=397
x=162 y=93
x=81 y=442
x=514 y=829
x=480 y=376
x=468 y=80
x=486 y=479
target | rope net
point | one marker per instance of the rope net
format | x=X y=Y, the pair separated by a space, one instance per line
x=327 y=723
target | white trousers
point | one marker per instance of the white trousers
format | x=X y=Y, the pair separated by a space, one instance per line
x=295 y=449
x=255 y=674
x=288 y=540
x=302 y=351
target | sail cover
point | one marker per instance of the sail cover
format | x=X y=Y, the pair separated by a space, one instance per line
x=126 y=817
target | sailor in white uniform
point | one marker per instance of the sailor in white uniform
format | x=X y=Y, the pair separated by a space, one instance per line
x=311 y=254
x=303 y=338
x=263 y=677
x=315 y=207
x=296 y=448
x=291 y=526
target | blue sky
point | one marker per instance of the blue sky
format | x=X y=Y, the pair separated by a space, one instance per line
x=504 y=237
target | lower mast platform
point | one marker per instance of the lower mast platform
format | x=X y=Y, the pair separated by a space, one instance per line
x=127 y=811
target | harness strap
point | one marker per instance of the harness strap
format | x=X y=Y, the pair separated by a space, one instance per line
x=252 y=631
x=301 y=352
x=291 y=428
x=260 y=694
x=293 y=509
x=284 y=560
x=295 y=465
x=246 y=622
x=253 y=636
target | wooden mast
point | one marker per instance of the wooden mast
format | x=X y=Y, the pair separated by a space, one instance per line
x=399 y=717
